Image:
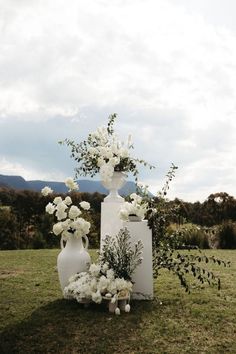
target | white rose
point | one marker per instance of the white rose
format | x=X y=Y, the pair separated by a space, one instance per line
x=46 y=190
x=85 y=205
x=57 y=228
x=68 y=200
x=50 y=208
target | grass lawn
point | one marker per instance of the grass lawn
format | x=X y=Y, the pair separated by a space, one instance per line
x=36 y=319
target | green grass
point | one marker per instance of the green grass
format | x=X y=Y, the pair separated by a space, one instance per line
x=35 y=318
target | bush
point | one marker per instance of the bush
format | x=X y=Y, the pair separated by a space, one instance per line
x=195 y=236
x=227 y=235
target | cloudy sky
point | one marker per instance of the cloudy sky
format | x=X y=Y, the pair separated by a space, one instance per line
x=167 y=67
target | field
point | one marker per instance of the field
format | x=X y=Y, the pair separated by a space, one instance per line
x=35 y=318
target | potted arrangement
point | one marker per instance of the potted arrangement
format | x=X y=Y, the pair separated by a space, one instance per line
x=102 y=152
x=109 y=280
x=134 y=210
x=73 y=229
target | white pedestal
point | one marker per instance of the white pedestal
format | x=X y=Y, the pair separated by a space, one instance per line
x=143 y=275
x=110 y=220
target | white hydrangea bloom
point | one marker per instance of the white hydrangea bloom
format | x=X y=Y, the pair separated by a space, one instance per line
x=74 y=212
x=57 y=228
x=61 y=214
x=68 y=200
x=50 y=208
x=85 y=205
x=46 y=191
x=57 y=200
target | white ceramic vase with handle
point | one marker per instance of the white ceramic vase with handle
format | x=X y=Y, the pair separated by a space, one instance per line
x=72 y=259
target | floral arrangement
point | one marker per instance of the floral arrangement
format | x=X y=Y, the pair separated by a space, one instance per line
x=103 y=152
x=110 y=278
x=137 y=207
x=69 y=223
x=97 y=284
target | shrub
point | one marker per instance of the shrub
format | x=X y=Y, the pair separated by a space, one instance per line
x=227 y=235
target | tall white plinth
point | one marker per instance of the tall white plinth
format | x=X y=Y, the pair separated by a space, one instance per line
x=143 y=275
x=110 y=220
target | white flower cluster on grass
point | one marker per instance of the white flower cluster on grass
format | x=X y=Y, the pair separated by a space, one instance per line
x=68 y=215
x=98 y=283
x=136 y=207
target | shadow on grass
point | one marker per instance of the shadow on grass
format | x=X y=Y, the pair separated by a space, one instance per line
x=64 y=326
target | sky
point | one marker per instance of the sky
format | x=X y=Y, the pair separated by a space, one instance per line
x=166 y=67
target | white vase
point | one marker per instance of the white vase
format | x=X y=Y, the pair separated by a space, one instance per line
x=72 y=259
x=117 y=181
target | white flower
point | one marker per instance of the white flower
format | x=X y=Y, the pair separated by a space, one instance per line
x=117 y=311
x=68 y=200
x=50 y=208
x=61 y=206
x=110 y=274
x=60 y=214
x=108 y=295
x=57 y=228
x=94 y=269
x=71 y=184
x=82 y=226
x=127 y=308
x=114 y=161
x=106 y=172
x=74 y=212
x=57 y=200
x=136 y=198
x=46 y=190
x=103 y=283
x=97 y=297
x=124 y=153
x=85 y=205
x=124 y=215
x=100 y=162
x=105 y=267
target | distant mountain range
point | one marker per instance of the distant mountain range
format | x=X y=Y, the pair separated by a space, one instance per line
x=19 y=183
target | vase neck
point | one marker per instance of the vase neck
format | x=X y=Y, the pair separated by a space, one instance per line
x=73 y=242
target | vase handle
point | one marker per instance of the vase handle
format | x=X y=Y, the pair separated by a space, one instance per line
x=62 y=244
x=86 y=242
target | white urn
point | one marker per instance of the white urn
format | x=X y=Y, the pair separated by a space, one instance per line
x=72 y=259
x=116 y=182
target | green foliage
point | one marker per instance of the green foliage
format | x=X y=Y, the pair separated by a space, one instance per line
x=119 y=255
x=167 y=246
x=227 y=235
x=194 y=236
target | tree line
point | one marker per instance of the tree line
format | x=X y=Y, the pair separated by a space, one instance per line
x=24 y=223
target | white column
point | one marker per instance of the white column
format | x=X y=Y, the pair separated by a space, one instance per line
x=110 y=220
x=143 y=275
